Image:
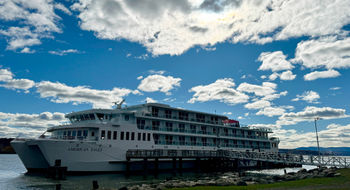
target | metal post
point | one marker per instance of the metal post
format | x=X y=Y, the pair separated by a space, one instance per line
x=318 y=144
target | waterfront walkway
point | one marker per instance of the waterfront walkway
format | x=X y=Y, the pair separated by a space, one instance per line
x=278 y=158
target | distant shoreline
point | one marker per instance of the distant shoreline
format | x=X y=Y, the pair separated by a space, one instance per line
x=5 y=146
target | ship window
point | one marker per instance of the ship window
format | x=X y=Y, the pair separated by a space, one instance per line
x=114 y=135
x=126 y=117
x=103 y=134
x=156 y=138
x=182 y=140
x=109 y=135
x=169 y=126
x=79 y=133
x=122 y=135
x=167 y=113
x=69 y=133
x=85 y=133
x=155 y=111
x=183 y=115
x=149 y=136
x=193 y=128
x=92 y=133
x=182 y=127
x=139 y=136
x=64 y=133
x=140 y=123
x=100 y=116
x=132 y=136
x=127 y=136
x=155 y=125
x=144 y=136
x=92 y=116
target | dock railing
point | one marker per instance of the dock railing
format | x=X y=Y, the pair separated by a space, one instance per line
x=283 y=158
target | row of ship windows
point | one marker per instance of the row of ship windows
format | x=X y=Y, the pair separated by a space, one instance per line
x=113 y=135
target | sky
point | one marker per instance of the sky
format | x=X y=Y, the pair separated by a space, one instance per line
x=271 y=63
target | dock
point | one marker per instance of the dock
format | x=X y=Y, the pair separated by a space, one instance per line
x=228 y=158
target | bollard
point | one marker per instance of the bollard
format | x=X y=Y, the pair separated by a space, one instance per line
x=94 y=184
x=285 y=171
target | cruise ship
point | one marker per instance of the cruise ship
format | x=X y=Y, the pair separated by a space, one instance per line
x=97 y=140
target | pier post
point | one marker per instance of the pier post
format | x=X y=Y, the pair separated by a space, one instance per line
x=174 y=166
x=156 y=167
x=197 y=164
x=145 y=167
x=180 y=165
x=127 y=172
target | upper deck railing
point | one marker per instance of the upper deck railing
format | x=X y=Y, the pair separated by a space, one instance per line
x=208 y=122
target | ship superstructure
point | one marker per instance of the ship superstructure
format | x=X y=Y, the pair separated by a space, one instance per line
x=97 y=140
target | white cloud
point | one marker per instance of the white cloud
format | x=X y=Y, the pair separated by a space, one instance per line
x=227 y=113
x=61 y=93
x=62 y=8
x=27 y=22
x=258 y=105
x=153 y=83
x=5 y=75
x=308 y=96
x=309 y=114
x=329 y=53
x=139 y=77
x=161 y=72
x=321 y=74
x=274 y=76
x=271 y=111
x=172 y=27
x=274 y=61
x=266 y=88
x=150 y=100
x=64 y=52
x=271 y=97
x=7 y=81
x=28 y=125
x=287 y=75
x=27 y=50
x=22 y=84
x=334 y=135
x=221 y=90
x=335 y=88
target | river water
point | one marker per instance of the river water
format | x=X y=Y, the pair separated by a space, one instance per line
x=13 y=176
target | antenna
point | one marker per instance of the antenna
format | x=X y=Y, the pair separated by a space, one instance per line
x=119 y=105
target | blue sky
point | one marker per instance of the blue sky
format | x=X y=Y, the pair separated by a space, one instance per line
x=278 y=64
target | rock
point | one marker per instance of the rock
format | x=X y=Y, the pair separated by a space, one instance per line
x=337 y=175
x=123 y=188
x=330 y=174
x=302 y=171
x=241 y=183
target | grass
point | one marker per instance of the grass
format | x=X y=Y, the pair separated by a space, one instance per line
x=340 y=182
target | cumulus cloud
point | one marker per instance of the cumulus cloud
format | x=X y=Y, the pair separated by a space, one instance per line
x=64 y=52
x=287 y=75
x=258 y=105
x=271 y=111
x=157 y=82
x=309 y=114
x=28 y=125
x=221 y=90
x=274 y=61
x=150 y=100
x=265 y=89
x=321 y=74
x=334 y=135
x=28 y=21
x=308 y=96
x=172 y=27
x=61 y=93
x=7 y=81
x=329 y=53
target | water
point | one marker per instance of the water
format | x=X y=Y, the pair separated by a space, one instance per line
x=13 y=176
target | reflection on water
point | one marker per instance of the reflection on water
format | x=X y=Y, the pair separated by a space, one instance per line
x=12 y=176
